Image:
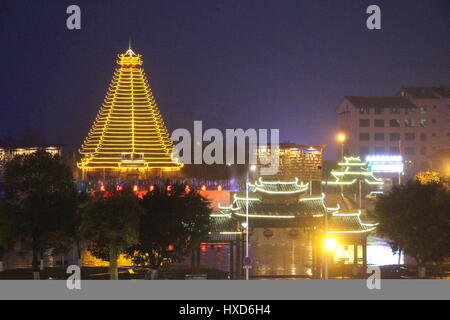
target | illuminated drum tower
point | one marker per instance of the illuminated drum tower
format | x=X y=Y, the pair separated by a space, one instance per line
x=128 y=138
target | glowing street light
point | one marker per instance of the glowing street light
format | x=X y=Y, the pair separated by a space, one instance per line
x=341 y=137
x=330 y=244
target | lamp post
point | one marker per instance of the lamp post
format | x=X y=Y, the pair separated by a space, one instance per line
x=247 y=238
x=329 y=245
x=341 y=138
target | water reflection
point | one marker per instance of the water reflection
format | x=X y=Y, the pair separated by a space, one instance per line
x=284 y=255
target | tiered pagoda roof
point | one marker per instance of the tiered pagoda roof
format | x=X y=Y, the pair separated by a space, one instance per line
x=129 y=132
x=351 y=170
x=301 y=211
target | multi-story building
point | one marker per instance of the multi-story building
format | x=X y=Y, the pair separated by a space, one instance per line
x=414 y=124
x=8 y=152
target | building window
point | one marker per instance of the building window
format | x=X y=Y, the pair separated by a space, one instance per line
x=364 y=137
x=364 y=122
x=423 y=136
x=433 y=120
x=364 y=110
x=423 y=151
x=410 y=136
x=423 y=110
x=379 y=150
x=379 y=110
x=423 y=123
x=394 y=123
x=393 y=150
x=434 y=107
x=379 y=123
x=410 y=151
x=410 y=110
x=364 y=151
x=434 y=135
x=379 y=136
x=395 y=111
x=410 y=123
x=394 y=136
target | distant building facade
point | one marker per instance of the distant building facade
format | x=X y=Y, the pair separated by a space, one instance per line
x=414 y=124
x=8 y=152
x=295 y=161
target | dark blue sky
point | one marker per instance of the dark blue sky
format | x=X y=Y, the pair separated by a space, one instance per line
x=233 y=64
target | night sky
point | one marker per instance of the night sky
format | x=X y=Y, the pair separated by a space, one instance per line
x=233 y=64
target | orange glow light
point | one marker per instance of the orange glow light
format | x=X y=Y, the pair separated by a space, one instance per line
x=203 y=188
x=135 y=188
x=219 y=188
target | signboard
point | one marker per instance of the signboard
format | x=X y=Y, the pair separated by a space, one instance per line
x=385 y=163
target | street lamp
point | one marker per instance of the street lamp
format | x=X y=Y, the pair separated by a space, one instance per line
x=247 y=242
x=341 y=137
x=330 y=245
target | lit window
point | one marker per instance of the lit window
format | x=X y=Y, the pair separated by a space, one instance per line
x=364 y=110
x=410 y=110
x=410 y=123
x=423 y=123
x=394 y=123
x=423 y=110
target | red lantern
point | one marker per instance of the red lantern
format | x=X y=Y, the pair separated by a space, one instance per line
x=169 y=188
x=118 y=188
x=151 y=188
x=187 y=189
x=102 y=188
x=170 y=247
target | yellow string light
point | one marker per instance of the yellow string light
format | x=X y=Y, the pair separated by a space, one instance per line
x=128 y=131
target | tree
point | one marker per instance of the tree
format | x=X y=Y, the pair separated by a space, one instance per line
x=416 y=219
x=40 y=198
x=110 y=222
x=176 y=220
x=6 y=232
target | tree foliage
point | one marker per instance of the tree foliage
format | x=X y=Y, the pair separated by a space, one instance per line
x=40 y=198
x=416 y=219
x=174 y=221
x=111 y=224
